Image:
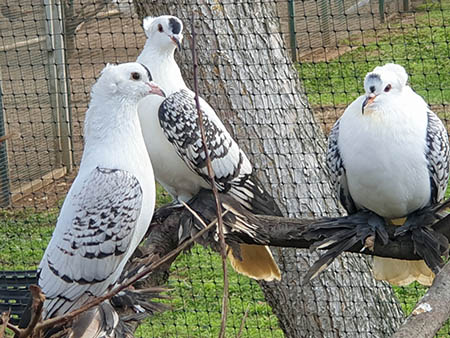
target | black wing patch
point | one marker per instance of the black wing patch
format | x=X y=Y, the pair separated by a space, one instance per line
x=437 y=154
x=338 y=176
x=178 y=119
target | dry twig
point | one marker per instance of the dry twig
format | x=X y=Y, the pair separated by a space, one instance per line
x=36 y=313
x=223 y=248
x=61 y=320
x=5 y=320
x=6 y=137
x=241 y=328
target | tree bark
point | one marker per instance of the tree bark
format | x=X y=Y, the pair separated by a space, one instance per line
x=275 y=231
x=246 y=75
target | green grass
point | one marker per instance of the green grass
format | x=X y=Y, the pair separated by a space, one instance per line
x=421 y=46
x=409 y=295
x=196 y=281
x=196 y=277
x=24 y=235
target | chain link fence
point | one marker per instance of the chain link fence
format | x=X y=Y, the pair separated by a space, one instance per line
x=52 y=51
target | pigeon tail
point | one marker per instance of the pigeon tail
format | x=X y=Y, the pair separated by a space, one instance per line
x=401 y=272
x=337 y=235
x=251 y=194
x=255 y=261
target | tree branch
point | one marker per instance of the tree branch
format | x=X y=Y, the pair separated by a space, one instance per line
x=223 y=248
x=431 y=311
x=288 y=232
x=4 y=322
x=36 y=314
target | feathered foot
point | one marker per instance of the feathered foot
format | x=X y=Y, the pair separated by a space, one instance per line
x=339 y=234
x=428 y=244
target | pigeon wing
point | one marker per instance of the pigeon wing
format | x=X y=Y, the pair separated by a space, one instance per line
x=178 y=119
x=337 y=172
x=437 y=155
x=87 y=256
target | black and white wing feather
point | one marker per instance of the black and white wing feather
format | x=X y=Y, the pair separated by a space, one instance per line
x=437 y=154
x=232 y=169
x=336 y=168
x=88 y=250
x=178 y=119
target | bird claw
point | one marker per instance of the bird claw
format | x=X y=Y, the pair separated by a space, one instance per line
x=377 y=224
x=339 y=234
x=428 y=244
x=369 y=243
x=424 y=217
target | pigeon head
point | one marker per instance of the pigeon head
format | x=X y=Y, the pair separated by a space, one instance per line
x=383 y=84
x=128 y=82
x=165 y=32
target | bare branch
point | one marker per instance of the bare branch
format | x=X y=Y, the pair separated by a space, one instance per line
x=5 y=137
x=5 y=320
x=241 y=328
x=13 y=328
x=61 y=320
x=223 y=249
x=431 y=311
x=36 y=311
x=289 y=232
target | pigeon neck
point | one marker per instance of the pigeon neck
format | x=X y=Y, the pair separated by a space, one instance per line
x=113 y=129
x=113 y=139
x=163 y=67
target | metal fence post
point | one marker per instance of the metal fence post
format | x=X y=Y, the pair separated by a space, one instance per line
x=58 y=81
x=381 y=9
x=325 y=22
x=293 y=38
x=5 y=195
x=405 y=5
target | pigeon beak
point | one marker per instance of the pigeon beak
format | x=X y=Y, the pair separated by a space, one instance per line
x=368 y=100
x=176 y=40
x=154 y=89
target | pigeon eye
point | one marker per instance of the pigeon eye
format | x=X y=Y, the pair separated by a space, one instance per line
x=135 y=76
x=160 y=28
x=387 y=88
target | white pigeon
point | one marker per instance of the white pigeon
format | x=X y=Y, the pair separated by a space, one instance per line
x=174 y=144
x=389 y=154
x=110 y=204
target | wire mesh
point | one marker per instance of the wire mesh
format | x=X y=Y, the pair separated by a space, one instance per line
x=333 y=44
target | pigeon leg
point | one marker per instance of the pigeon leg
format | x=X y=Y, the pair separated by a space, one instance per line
x=339 y=234
x=428 y=244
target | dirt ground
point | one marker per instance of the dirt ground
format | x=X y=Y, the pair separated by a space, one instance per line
x=115 y=40
x=97 y=42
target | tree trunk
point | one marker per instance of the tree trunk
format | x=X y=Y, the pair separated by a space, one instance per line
x=246 y=75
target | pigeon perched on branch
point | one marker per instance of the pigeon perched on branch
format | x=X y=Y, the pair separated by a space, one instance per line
x=110 y=204
x=174 y=144
x=388 y=156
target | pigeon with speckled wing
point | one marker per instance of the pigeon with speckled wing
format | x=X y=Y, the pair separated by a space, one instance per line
x=110 y=204
x=389 y=155
x=175 y=147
